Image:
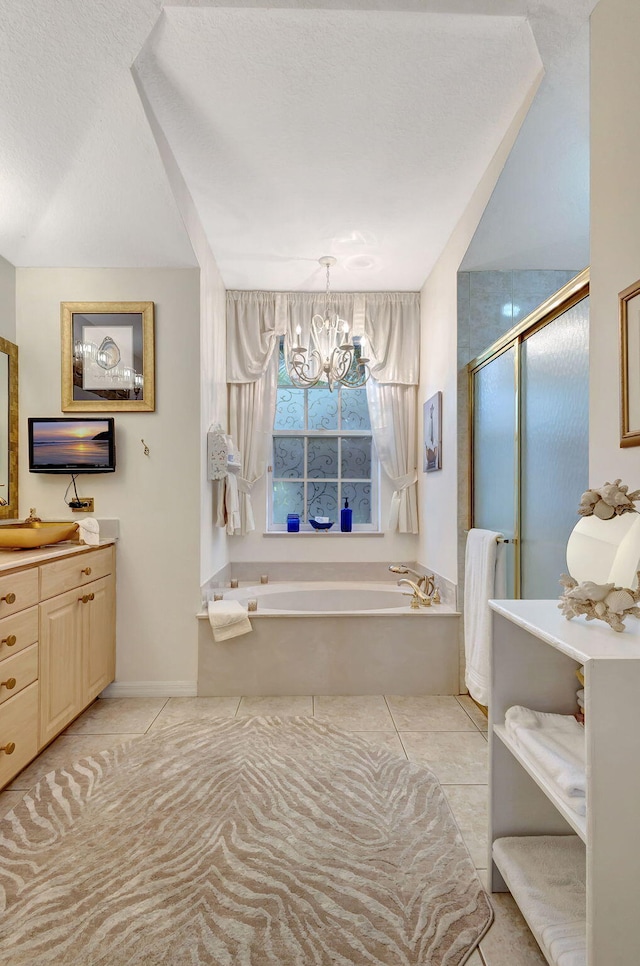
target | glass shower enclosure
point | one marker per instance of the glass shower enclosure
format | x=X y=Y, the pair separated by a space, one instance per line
x=529 y=400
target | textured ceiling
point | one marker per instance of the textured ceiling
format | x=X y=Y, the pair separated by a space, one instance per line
x=299 y=130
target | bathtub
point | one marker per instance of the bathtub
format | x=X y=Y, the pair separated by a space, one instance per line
x=326 y=597
x=332 y=638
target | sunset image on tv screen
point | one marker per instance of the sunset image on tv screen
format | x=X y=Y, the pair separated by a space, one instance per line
x=82 y=443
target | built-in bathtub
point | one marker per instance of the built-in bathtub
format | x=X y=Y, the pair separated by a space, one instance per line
x=332 y=638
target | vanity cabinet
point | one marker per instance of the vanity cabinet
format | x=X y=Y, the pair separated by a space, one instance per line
x=577 y=890
x=57 y=648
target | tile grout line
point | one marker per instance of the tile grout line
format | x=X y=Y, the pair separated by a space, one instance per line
x=146 y=731
x=457 y=696
x=393 y=720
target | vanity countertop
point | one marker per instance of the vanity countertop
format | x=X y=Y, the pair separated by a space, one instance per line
x=14 y=559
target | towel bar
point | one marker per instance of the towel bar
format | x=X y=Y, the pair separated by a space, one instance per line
x=503 y=539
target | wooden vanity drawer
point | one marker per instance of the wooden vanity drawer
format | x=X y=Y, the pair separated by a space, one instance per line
x=18 y=632
x=18 y=591
x=62 y=575
x=17 y=672
x=19 y=727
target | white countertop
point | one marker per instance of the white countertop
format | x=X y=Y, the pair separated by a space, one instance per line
x=578 y=638
x=12 y=559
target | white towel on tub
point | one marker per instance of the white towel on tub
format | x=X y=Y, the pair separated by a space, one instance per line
x=483 y=580
x=228 y=618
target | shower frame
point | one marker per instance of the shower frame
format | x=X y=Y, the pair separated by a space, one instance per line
x=552 y=308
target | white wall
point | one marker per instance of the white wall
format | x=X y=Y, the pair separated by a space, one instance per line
x=7 y=300
x=438 y=492
x=615 y=216
x=213 y=339
x=156 y=498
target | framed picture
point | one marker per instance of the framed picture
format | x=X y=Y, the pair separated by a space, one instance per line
x=629 y=308
x=432 y=418
x=107 y=357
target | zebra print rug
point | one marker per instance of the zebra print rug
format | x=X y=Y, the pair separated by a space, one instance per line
x=241 y=842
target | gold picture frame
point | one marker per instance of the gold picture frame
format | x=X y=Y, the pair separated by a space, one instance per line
x=629 y=311
x=9 y=508
x=107 y=357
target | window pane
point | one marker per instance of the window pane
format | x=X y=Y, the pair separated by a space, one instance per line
x=287 y=498
x=356 y=458
x=289 y=409
x=322 y=458
x=283 y=375
x=288 y=457
x=323 y=409
x=355 y=411
x=322 y=500
x=359 y=497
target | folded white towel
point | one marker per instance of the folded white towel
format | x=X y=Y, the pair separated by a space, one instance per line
x=557 y=744
x=580 y=697
x=228 y=618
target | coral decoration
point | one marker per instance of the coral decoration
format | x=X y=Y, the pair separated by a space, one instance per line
x=609 y=501
x=604 y=602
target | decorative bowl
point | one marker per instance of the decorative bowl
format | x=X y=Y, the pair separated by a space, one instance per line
x=321 y=526
x=29 y=535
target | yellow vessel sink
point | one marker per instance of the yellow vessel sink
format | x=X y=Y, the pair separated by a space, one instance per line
x=31 y=534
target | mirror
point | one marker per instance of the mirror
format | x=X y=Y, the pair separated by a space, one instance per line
x=8 y=430
x=605 y=551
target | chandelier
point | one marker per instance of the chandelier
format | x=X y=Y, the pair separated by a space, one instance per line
x=331 y=356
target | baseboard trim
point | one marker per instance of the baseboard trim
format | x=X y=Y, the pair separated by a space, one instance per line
x=151 y=689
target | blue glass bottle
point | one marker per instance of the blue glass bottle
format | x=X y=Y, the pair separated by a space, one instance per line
x=346 y=518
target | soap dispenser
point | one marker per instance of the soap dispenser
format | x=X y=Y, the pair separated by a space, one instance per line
x=346 y=514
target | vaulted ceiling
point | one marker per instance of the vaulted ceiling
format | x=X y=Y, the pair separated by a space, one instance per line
x=300 y=128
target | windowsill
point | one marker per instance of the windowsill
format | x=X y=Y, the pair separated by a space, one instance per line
x=323 y=534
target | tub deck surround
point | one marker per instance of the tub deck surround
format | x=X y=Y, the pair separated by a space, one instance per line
x=321 y=598
x=323 y=648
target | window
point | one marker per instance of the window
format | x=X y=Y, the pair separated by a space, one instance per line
x=323 y=453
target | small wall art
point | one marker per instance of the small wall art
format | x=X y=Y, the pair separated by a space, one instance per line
x=629 y=312
x=432 y=419
x=107 y=356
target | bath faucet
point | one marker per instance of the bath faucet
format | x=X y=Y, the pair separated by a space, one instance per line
x=419 y=598
x=425 y=582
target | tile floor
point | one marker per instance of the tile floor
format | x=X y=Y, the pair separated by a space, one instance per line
x=448 y=734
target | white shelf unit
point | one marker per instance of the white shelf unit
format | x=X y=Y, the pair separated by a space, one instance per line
x=535 y=653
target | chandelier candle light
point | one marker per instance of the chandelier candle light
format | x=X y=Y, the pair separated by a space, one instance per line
x=330 y=356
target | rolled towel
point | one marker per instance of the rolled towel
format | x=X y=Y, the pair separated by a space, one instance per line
x=228 y=618
x=89 y=532
x=580 y=697
x=557 y=743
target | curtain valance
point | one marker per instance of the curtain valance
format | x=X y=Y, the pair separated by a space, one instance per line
x=389 y=320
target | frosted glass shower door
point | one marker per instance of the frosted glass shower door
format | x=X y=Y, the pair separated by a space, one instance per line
x=555 y=446
x=494 y=451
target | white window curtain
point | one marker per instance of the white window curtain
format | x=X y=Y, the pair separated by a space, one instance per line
x=392 y=328
x=391 y=324
x=255 y=321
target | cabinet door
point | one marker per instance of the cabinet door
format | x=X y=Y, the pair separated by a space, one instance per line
x=61 y=620
x=99 y=638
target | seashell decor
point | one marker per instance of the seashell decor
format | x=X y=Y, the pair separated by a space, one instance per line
x=610 y=500
x=604 y=602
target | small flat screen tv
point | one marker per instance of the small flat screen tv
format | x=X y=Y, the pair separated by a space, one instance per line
x=72 y=445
